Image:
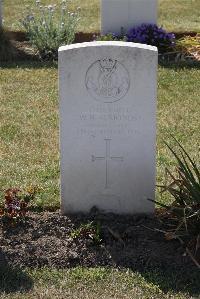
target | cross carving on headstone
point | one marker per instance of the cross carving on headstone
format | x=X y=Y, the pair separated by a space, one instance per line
x=107 y=158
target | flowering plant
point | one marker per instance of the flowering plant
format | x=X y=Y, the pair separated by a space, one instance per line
x=110 y=37
x=16 y=204
x=153 y=35
x=48 y=33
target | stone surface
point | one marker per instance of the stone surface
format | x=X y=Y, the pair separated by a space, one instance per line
x=107 y=127
x=116 y=14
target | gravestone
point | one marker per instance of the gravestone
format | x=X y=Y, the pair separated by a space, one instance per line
x=116 y=14
x=107 y=127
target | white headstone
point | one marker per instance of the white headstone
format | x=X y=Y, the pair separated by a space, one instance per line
x=107 y=126
x=116 y=14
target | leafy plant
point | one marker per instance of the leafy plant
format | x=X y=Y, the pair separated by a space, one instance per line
x=45 y=33
x=153 y=35
x=90 y=231
x=16 y=205
x=184 y=213
x=111 y=37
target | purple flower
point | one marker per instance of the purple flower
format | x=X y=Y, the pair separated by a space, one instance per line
x=153 y=35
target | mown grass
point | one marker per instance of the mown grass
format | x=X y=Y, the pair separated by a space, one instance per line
x=95 y=283
x=176 y=15
x=29 y=124
x=29 y=129
x=180 y=15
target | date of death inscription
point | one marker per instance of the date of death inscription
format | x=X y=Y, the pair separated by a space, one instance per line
x=115 y=122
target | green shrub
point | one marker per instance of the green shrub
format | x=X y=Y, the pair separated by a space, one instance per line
x=46 y=32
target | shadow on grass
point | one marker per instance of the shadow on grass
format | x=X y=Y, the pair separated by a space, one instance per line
x=13 y=279
x=36 y=64
x=159 y=262
x=31 y=64
x=180 y=65
x=172 y=280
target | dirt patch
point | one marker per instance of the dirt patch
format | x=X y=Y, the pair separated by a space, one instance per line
x=45 y=239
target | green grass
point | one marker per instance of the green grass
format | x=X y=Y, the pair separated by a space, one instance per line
x=176 y=15
x=29 y=129
x=93 y=283
x=180 y=15
x=29 y=124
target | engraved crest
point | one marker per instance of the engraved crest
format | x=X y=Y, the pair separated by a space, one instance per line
x=107 y=80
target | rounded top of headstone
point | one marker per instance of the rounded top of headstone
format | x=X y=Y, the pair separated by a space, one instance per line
x=108 y=44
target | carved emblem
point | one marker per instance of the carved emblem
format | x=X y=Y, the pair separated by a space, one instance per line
x=107 y=80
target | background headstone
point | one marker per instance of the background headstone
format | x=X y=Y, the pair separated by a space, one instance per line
x=126 y=13
x=107 y=126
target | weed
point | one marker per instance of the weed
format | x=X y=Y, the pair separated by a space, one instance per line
x=90 y=231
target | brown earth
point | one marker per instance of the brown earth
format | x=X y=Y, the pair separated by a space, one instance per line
x=45 y=239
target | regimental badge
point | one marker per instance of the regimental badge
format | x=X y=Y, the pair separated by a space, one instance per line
x=107 y=80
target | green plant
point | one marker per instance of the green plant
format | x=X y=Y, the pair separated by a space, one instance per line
x=47 y=34
x=16 y=204
x=184 y=213
x=111 y=37
x=89 y=230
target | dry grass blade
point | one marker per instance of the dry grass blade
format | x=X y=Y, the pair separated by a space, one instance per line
x=190 y=46
x=184 y=186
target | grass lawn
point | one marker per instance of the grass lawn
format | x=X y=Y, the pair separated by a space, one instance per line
x=176 y=15
x=94 y=283
x=29 y=153
x=29 y=123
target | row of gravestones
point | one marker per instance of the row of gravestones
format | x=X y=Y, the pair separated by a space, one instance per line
x=116 y=14
x=108 y=120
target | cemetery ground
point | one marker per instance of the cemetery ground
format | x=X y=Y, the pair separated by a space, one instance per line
x=72 y=264
x=29 y=147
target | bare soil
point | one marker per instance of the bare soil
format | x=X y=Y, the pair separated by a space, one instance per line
x=45 y=239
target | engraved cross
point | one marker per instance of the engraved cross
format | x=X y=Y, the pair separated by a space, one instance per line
x=107 y=158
